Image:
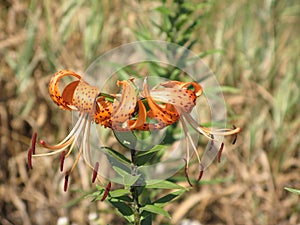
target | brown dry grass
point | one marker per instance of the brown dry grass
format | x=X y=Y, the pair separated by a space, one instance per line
x=261 y=41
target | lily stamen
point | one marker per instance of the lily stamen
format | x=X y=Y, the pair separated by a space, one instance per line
x=220 y=152
x=95 y=172
x=62 y=160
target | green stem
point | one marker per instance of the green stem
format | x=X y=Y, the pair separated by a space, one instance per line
x=135 y=193
x=136 y=205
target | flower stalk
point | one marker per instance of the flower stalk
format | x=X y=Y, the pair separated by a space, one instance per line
x=136 y=205
x=134 y=189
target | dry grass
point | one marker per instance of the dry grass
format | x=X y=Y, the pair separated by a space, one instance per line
x=261 y=43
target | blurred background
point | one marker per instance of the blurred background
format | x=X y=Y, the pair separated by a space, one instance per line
x=253 y=48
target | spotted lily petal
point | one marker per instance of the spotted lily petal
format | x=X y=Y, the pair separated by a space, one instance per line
x=84 y=97
x=178 y=84
x=125 y=107
x=141 y=119
x=54 y=88
x=165 y=114
x=177 y=94
x=102 y=111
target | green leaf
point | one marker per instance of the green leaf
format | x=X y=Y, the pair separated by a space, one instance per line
x=163 y=10
x=296 y=191
x=145 y=156
x=156 y=148
x=163 y=184
x=181 y=20
x=124 y=209
x=118 y=193
x=128 y=179
x=116 y=155
x=146 y=218
x=126 y=139
x=156 y=210
x=168 y=198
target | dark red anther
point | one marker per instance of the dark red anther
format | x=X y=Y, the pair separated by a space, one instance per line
x=29 y=157
x=62 y=160
x=33 y=141
x=234 y=136
x=95 y=172
x=201 y=172
x=31 y=150
x=186 y=172
x=220 y=152
x=200 y=175
x=107 y=189
x=66 y=181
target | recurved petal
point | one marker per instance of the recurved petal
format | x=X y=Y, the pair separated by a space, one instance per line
x=126 y=105
x=166 y=113
x=180 y=98
x=141 y=118
x=196 y=88
x=68 y=92
x=54 y=88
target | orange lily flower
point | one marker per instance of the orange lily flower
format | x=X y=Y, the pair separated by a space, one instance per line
x=93 y=107
x=167 y=103
x=174 y=101
x=78 y=96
